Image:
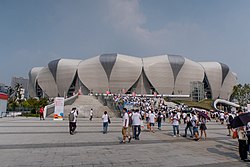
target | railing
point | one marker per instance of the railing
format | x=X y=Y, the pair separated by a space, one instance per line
x=10 y=114
x=107 y=100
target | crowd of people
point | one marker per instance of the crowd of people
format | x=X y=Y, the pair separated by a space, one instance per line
x=150 y=111
x=155 y=111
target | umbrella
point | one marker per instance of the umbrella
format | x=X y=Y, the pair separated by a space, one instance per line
x=202 y=114
x=236 y=122
x=240 y=120
x=245 y=118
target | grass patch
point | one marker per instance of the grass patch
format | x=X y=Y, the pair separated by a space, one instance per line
x=204 y=104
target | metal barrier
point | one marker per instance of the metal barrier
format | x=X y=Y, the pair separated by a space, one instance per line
x=107 y=100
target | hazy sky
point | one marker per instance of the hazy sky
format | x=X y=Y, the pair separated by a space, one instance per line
x=34 y=32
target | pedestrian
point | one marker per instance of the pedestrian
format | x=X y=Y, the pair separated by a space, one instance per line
x=147 y=116
x=159 y=119
x=136 y=117
x=91 y=114
x=248 y=136
x=142 y=114
x=130 y=122
x=184 y=117
x=105 y=121
x=175 y=123
x=222 y=117
x=41 y=110
x=188 y=126
x=229 y=118
x=242 y=144
x=195 y=123
x=164 y=115
x=72 y=120
x=151 y=121
x=125 y=125
x=203 y=127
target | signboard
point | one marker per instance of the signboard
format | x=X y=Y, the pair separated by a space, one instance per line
x=3 y=103
x=59 y=108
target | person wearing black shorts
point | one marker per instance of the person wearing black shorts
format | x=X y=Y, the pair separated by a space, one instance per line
x=203 y=127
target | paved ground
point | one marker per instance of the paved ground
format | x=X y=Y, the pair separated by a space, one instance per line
x=31 y=142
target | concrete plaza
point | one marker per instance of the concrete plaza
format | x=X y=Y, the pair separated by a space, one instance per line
x=31 y=142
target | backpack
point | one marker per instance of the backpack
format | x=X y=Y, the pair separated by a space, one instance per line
x=71 y=116
x=109 y=121
x=130 y=121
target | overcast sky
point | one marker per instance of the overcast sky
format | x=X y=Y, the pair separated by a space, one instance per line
x=35 y=32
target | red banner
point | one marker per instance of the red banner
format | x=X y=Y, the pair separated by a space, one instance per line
x=3 y=96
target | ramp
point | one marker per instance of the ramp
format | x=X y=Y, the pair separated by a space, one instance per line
x=84 y=103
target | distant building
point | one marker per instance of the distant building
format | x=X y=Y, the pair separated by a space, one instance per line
x=23 y=82
x=3 y=88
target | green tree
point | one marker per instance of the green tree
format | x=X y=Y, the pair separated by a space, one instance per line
x=241 y=93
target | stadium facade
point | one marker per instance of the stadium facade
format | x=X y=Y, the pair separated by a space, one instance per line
x=117 y=73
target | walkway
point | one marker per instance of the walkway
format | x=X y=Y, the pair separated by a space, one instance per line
x=31 y=142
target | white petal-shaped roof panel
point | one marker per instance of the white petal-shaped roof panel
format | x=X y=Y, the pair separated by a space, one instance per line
x=214 y=75
x=92 y=75
x=47 y=83
x=159 y=72
x=227 y=88
x=65 y=73
x=125 y=72
x=32 y=80
x=190 y=72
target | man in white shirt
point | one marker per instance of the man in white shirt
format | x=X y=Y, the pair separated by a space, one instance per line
x=152 y=121
x=137 y=124
x=175 y=123
x=125 y=124
x=72 y=121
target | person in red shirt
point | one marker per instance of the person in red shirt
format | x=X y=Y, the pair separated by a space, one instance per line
x=41 y=113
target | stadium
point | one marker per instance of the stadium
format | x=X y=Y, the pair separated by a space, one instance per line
x=118 y=74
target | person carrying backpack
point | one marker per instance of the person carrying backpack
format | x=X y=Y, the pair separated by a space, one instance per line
x=72 y=120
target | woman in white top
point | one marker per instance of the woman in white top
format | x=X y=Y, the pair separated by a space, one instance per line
x=105 y=121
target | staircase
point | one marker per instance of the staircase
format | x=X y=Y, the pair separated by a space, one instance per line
x=84 y=103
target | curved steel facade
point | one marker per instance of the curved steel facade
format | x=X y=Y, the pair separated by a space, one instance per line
x=117 y=73
x=33 y=80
